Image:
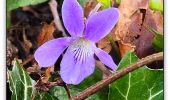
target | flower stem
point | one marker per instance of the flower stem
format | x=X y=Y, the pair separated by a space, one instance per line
x=96 y=8
x=115 y=48
x=53 y=6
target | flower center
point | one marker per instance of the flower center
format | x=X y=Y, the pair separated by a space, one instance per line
x=82 y=49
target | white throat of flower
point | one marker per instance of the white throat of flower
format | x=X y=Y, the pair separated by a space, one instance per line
x=82 y=49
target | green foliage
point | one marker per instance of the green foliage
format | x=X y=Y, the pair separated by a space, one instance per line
x=141 y=84
x=13 y=4
x=118 y=1
x=22 y=86
x=156 y=5
x=44 y=96
x=82 y=2
x=20 y=83
x=158 y=41
x=60 y=93
x=8 y=19
x=106 y=3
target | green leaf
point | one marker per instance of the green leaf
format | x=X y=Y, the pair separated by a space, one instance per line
x=118 y=1
x=158 y=42
x=158 y=39
x=156 y=5
x=20 y=83
x=61 y=94
x=141 y=84
x=8 y=19
x=106 y=3
x=13 y=4
x=82 y=2
x=44 y=96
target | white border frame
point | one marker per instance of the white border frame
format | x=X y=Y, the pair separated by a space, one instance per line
x=2 y=49
x=166 y=49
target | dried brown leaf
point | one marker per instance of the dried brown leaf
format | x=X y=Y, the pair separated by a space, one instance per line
x=105 y=44
x=89 y=6
x=46 y=33
x=33 y=68
x=47 y=74
x=127 y=9
x=30 y=9
x=121 y=32
x=144 y=47
x=27 y=43
x=130 y=31
x=11 y=52
x=124 y=48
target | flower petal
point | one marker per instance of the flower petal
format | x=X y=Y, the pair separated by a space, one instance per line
x=101 y=23
x=73 y=70
x=47 y=54
x=105 y=58
x=72 y=14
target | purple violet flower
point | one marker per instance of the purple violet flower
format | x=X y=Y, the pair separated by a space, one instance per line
x=78 y=61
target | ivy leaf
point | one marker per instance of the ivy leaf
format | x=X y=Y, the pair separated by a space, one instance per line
x=60 y=92
x=141 y=84
x=13 y=4
x=106 y=3
x=20 y=83
x=156 y=5
x=44 y=96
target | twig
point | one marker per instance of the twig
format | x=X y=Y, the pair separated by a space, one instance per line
x=95 y=9
x=29 y=59
x=114 y=47
x=53 y=6
x=67 y=90
x=56 y=83
x=46 y=86
x=99 y=85
x=103 y=68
